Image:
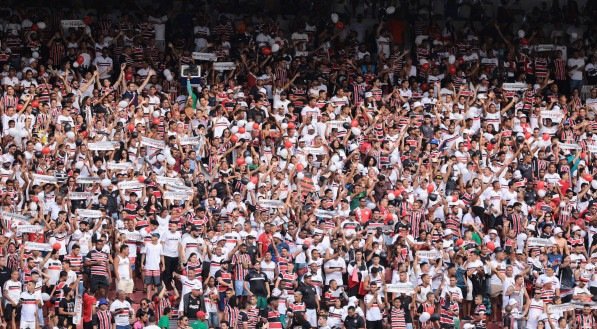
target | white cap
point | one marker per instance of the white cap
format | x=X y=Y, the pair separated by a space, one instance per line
x=575 y=228
x=448 y=231
x=468 y=326
x=240 y=95
x=417 y=104
x=262 y=90
x=368 y=94
x=557 y=230
x=493 y=231
x=517 y=174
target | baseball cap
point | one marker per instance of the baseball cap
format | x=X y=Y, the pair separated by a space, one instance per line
x=103 y=301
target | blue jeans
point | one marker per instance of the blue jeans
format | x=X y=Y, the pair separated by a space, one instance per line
x=239 y=288
x=123 y=327
x=214 y=320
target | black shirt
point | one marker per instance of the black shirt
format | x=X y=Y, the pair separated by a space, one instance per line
x=257 y=282
x=354 y=322
x=309 y=295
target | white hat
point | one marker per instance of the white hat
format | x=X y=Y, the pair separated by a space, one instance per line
x=531 y=227
x=240 y=95
x=417 y=104
x=368 y=94
x=557 y=230
x=575 y=228
x=481 y=96
x=493 y=231
x=262 y=90
x=517 y=174
x=468 y=326
x=483 y=77
x=448 y=231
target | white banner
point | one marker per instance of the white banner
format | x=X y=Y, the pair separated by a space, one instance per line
x=168 y=180
x=87 y=180
x=15 y=216
x=553 y=308
x=400 y=288
x=68 y=23
x=538 y=242
x=338 y=124
x=101 y=146
x=224 y=66
x=150 y=142
x=210 y=57
x=555 y=116
x=177 y=196
x=45 y=179
x=273 y=204
x=89 y=213
x=80 y=195
x=119 y=165
x=315 y=151
x=37 y=246
x=29 y=229
x=516 y=86
x=78 y=310
x=428 y=254
x=569 y=146
x=592 y=148
x=325 y=213
x=179 y=188
x=190 y=140
x=130 y=185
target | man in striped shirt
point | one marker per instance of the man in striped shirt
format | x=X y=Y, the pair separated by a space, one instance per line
x=98 y=261
x=241 y=262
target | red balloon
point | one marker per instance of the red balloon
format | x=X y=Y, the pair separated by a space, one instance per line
x=452 y=69
x=241 y=130
x=546 y=136
x=80 y=59
x=131 y=127
x=354 y=123
x=340 y=26
x=299 y=167
x=291 y=125
x=527 y=135
x=425 y=67
x=587 y=177
x=35 y=199
x=491 y=245
x=240 y=161
x=540 y=185
x=56 y=246
x=234 y=138
x=84 y=134
x=459 y=242
x=19 y=107
x=156 y=121
x=389 y=217
x=128 y=76
x=35 y=103
x=255 y=126
x=287 y=144
x=430 y=188
x=45 y=151
x=266 y=51
x=141 y=179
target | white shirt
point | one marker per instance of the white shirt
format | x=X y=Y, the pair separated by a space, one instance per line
x=576 y=74
x=122 y=311
x=335 y=263
x=170 y=243
x=29 y=305
x=153 y=253
x=373 y=313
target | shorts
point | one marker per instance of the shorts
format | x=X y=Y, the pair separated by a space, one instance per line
x=8 y=310
x=152 y=279
x=27 y=325
x=125 y=285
